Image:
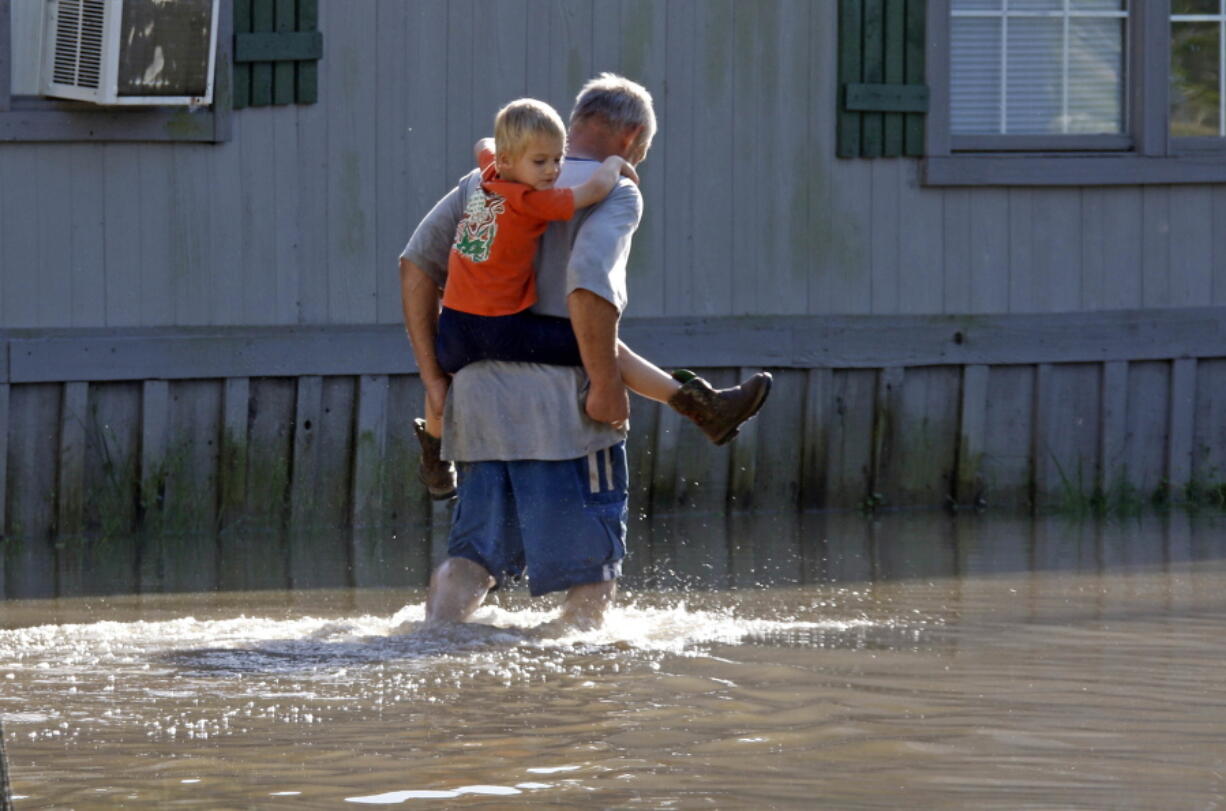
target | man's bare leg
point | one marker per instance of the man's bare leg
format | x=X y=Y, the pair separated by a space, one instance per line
x=584 y=607
x=457 y=588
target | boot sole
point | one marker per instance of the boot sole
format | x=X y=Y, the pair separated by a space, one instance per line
x=754 y=408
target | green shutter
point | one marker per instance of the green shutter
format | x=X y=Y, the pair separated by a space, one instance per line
x=882 y=95
x=276 y=48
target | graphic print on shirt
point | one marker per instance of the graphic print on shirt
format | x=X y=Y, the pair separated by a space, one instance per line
x=475 y=233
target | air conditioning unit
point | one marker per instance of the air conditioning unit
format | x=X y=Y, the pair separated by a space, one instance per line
x=130 y=52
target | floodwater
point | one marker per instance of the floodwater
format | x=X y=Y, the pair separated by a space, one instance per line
x=821 y=661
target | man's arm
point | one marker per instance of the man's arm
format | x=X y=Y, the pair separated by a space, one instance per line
x=596 y=283
x=594 y=320
x=420 y=296
x=423 y=270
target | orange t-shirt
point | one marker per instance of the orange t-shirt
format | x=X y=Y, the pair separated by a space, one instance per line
x=489 y=271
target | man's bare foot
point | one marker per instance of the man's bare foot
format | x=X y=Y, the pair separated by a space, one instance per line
x=585 y=606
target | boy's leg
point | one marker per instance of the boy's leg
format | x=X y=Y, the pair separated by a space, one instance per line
x=643 y=377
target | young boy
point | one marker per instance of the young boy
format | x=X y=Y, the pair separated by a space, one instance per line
x=491 y=284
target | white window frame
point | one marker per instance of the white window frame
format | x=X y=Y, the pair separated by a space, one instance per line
x=1146 y=154
x=35 y=118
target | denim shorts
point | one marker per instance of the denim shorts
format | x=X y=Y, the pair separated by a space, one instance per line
x=562 y=523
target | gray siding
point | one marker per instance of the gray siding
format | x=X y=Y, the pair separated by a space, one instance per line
x=299 y=217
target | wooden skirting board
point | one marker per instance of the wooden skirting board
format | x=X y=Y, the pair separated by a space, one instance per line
x=850 y=342
x=242 y=458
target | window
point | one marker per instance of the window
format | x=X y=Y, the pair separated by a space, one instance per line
x=1076 y=92
x=1198 y=68
x=27 y=116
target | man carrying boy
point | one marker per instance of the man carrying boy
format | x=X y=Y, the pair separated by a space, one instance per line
x=543 y=486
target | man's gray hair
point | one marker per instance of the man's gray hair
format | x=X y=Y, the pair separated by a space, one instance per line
x=619 y=103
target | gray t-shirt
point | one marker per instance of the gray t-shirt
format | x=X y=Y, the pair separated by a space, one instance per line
x=508 y=411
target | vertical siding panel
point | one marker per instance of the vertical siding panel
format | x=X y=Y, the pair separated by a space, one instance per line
x=189 y=540
x=49 y=196
x=285 y=229
x=426 y=110
x=640 y=456
x=1113 y=422
x=256 y=554
x=1123 y=252
x=349 y=86
x=780 y=456
x=304 y=569
x=1057 y=250
x=744 y=490
x=819 y=400
x=153 y=196
x=888 y=434
x=1095 y=276
x=407 y=504
x=1209 y=441
x=1156 y=246
x=87 y=277
x=258 y=200
x=112 y=474
x=70 y=481
x=1067 y=431
x=154 y=420
x=228 y=222
x=333 y=560
x=1021 y=248
x=681 y=163
x=884 y=233
x=1219 y=245
x=956 y=246
x=850 y=264
x=1007 y=451
x=990 y=251
x=393 y=83
x=926 y=436
x=824 y=138
x=463 y=83
x=702 y=469
x=34 y=412
x=717 y=286
x=1191 y=246
x=314 y=203
x=972 y=438
x=191 y=260
x=19 y=237
x=369 y=475
x=851 y=430
x=642 y=39
x=1182 y=424
x=921 y=247
x=1148 y=422
x=5 y=391
x=232 y=467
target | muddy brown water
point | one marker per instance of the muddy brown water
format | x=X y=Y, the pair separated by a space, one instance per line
x=785 y=662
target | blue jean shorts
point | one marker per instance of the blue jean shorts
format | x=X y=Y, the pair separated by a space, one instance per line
x=562 y=523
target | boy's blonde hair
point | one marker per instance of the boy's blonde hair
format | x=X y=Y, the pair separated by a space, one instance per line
x=520 y=121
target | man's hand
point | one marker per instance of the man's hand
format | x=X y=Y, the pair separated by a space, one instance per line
x=609 y=403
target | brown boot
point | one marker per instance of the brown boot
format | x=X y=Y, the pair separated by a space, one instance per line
x=719 y=412
x=437 y=475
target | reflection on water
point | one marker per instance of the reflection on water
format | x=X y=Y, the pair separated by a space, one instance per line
x=780 y=661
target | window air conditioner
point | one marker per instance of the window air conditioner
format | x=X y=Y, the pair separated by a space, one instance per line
x=130 y=52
